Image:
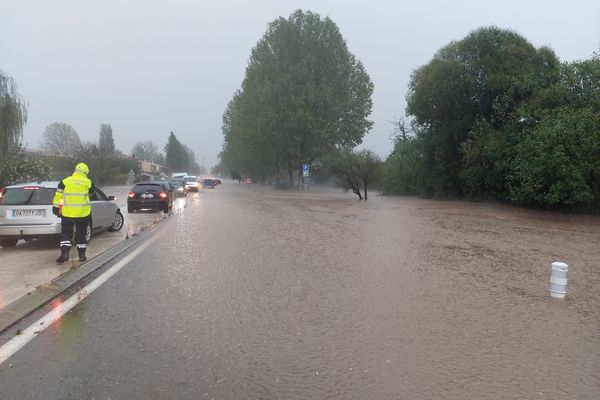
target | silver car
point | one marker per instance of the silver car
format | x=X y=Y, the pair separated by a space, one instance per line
x=26 y=213
x=191 y=183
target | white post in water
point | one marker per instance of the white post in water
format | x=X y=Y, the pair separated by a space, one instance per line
x=558 y=279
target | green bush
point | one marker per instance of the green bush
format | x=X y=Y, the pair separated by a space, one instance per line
x=402 y=172
x=558 y=162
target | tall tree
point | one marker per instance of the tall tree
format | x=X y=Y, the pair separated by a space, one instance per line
x=62 y=140
x=106 y=142
x=104 y=154
x=13 y=115
x=304 y=94
x=193 y=166
x=176 y=155
x=147 y=151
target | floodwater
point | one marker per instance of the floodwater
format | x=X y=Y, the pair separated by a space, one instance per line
x=252 y=293
x=409 y=298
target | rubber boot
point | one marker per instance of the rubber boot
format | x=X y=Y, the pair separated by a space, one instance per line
x=64 y=254
x=82 y=256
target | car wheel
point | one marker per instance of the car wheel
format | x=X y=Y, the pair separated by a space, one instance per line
x=130 y=209
x=166 y=209
x=8 y=242
x=117 y=223
x=88 y=232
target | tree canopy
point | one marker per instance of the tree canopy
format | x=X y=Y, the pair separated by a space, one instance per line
x=13 y=115
x=106 y=142
x=177 y=157
x=494 y=117
x=147 y=151
x=484 y=77
x=62 y=140
x=304 y=94
x=354 y=170
x=103 y=155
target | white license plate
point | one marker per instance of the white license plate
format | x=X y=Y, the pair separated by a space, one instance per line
x=28 y=213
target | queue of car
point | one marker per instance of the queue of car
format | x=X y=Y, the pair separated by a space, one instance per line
x=26 y=208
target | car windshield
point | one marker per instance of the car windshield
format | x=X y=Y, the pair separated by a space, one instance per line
x=190 y=179
x=148 y=187
x=33 y=195
x=176 y=183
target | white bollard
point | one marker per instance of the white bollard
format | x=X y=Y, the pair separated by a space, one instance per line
x=558 y=279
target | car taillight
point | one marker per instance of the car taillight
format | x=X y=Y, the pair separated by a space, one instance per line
x=131 y=195
x=162 y=195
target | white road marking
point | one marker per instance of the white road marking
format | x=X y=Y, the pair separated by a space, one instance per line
x=16 y=343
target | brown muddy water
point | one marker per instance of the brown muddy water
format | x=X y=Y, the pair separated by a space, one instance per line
x=405 y=298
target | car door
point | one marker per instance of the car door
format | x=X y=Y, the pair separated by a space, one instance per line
x=99 y=210
x=108 y=209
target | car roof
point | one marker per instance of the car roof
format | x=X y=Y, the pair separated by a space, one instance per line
x=43 y=184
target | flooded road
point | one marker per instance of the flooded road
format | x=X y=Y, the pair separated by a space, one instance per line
x=31 y=264
x=254 y=293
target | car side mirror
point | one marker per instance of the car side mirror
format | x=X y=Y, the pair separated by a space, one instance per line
x=111 y=198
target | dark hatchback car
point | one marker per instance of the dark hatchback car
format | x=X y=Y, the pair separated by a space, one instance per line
x=150 y=196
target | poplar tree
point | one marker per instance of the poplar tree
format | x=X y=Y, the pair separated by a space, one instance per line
x=304 y=94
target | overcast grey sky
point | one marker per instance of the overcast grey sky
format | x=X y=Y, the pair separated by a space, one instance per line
x=150 y=67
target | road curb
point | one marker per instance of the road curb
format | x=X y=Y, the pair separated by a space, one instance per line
x=17 y=310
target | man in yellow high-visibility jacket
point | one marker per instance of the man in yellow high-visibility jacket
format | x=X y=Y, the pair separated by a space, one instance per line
x=72 y=204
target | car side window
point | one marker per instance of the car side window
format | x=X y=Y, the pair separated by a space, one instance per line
x=100 y=195
x=93 y=196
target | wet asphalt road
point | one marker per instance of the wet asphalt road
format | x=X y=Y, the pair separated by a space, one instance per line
x=31 y=264
x=252 y=293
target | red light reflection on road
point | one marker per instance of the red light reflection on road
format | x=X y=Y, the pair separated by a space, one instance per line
x=56 y=305
x=131 y=228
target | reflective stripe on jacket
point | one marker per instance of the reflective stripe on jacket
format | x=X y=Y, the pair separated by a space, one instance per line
x=75 y=196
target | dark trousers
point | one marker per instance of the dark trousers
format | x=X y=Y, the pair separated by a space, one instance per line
x=66 y=232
